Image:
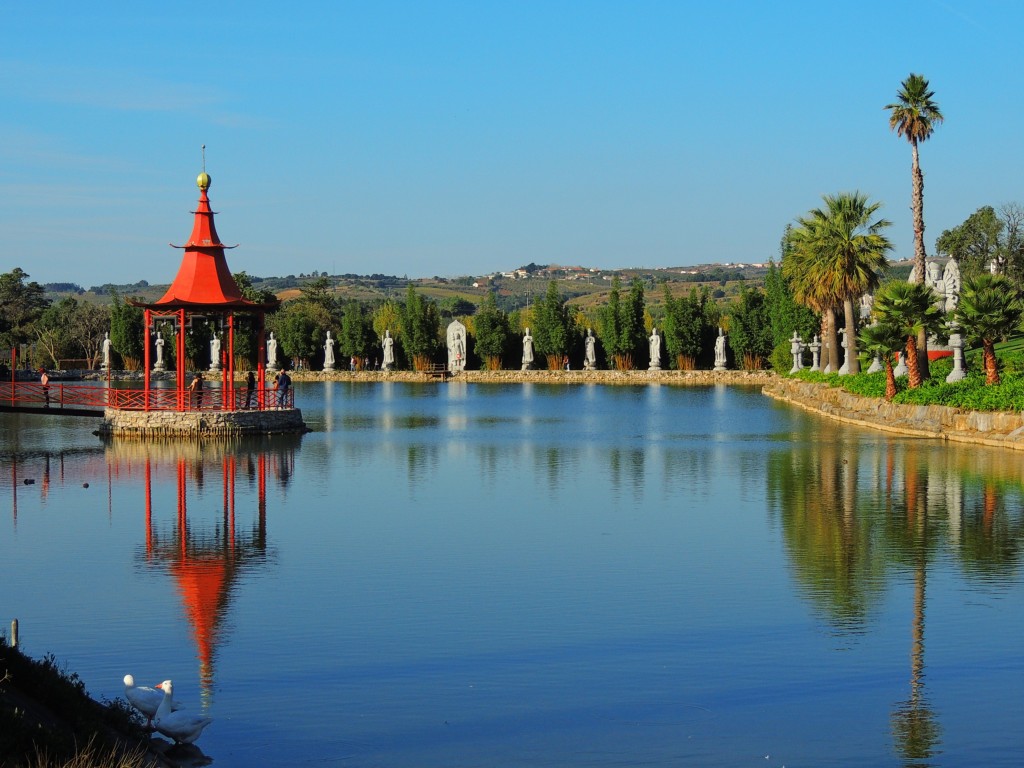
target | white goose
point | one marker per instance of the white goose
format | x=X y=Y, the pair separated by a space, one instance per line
x=180 y=726
x=144 y=698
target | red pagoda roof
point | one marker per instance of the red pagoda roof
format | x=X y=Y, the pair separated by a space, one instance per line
x=204 y=280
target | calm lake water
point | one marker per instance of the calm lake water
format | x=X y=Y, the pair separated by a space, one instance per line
x=525 y=575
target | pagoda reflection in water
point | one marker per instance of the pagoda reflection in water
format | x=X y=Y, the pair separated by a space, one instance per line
x=205 y=555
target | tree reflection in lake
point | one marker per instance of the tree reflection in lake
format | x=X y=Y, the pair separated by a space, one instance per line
x=853 y=516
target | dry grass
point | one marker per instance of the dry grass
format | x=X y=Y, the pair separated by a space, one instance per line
x=47 y=720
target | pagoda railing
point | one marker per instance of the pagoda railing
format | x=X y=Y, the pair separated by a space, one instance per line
x=54 y=395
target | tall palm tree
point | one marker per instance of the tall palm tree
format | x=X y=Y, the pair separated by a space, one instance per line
x=910 y=309
x=799 y=267
x=883 y=340
x=989 y=309
x=914 y=116
x=840 y=255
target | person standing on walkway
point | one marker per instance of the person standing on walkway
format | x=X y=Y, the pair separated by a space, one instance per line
x=250 y=386
x=196 y=388
x=44 y=379
x=283 y=384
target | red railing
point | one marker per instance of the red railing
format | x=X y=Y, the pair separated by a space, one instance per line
x=54 y=395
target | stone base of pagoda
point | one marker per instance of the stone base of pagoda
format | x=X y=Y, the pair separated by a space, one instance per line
x=193 y=424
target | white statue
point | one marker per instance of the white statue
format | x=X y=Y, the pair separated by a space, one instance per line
x=590 y=358
x=655 y=350
x=720 y=359
x=389 y=351
x=159 y=365
x=945 y=281
x=215 y=353
x=815 y=347
x=796 y=349
x=956 y=343
x=951 y=284
x=456 y=336
x=867 y=303
x=527 y=351
x=106 y=351
x=271 y=353
x=329 y=353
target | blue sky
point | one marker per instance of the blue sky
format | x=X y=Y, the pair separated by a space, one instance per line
x=453 y=138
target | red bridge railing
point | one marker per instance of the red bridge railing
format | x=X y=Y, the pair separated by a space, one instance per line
x=55 y=395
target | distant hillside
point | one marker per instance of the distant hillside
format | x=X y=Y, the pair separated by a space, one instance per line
x=517 y=288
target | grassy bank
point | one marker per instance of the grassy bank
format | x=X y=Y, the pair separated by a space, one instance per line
x=970 y=393
x=48 y=720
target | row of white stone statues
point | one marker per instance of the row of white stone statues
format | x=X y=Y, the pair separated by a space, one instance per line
x=387 y=343
x=456 y=338
x=456 y=342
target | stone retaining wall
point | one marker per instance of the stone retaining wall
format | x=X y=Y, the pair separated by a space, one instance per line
x=691 y=378
x=157 y=424
x=1005 y=429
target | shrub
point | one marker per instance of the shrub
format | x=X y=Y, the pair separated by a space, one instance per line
x=782 y=358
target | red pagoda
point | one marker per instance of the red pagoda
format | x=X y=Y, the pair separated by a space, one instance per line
x=204 y=291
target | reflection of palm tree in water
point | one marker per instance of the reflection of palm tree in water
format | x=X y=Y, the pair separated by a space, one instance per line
x=914 y=725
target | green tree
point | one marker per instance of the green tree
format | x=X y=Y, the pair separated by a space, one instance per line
x=455 y=306
x=632 y=331
x=1011 y=245
x=319 y=292
x=492 y=332
x=883 y=341
x=839 y=253
x=91 y=323
x=610 y=330
x=988 y=237
x=421 y=322
x=684 y=327
x=128 y=331
x=246 y=339
x=357 y=338
x=53 y=331
x=914 y=116
x=300 y=327
x=750 y=329
x=973 y=244
x=784 y=311
x=21 y=304
x=910 y=309
x=989 y=309
x=551 y=327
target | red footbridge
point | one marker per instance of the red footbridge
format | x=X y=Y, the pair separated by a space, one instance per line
x=91 y=400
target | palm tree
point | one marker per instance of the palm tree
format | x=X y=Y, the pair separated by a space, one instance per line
x=883 y=340
x=914 y=116
x=799 y=265
x=910 y=309
x=989 y=309
x=839 y=255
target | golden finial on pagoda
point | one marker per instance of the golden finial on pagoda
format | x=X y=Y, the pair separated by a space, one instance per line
x=203 y=180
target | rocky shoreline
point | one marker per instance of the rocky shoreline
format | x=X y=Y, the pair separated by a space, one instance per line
x=997 y=429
